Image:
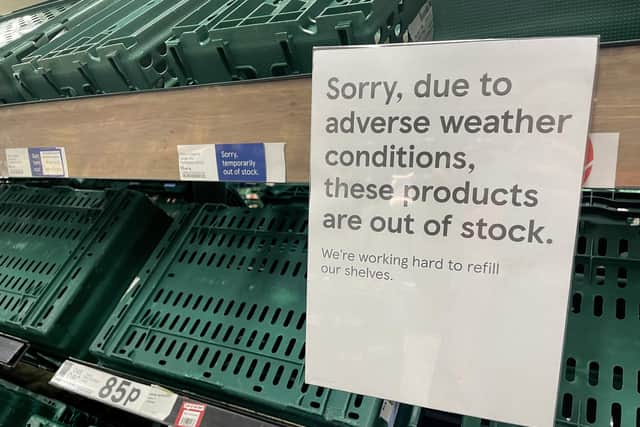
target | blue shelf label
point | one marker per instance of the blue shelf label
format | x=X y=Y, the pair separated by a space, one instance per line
x=241 y=162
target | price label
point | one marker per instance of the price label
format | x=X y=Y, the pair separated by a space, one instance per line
x=46 y=162
x=147 y=401
x=11 y=350
x=120 y=392
x=389 y=411
x=251 y=162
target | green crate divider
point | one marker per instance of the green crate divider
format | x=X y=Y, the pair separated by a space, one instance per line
x=241 y=39
x=600 y=377
x=286 y=195
x=613 y=20
x=221 y=308
x=19 y=404
x=122 y=48
x=58 y=22
x=66 y=256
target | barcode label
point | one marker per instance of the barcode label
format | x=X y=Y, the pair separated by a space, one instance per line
x=17 y=172
x=190 y=415
x=193 y=175
x=189 y=419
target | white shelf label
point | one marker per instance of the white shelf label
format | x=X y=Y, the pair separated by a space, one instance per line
x=197 y=163
x=254 y=162
x=389 y=411
x=45 y=162
x=601 y=160
x=421 y=28
x=150 y=402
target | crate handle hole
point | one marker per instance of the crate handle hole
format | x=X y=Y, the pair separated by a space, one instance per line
x=146 y=61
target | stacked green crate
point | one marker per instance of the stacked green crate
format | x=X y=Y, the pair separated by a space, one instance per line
x=241 y=39
x=22 y=408
x=66 y=256
x=22 y=32
x=121 y=48
x=220 y=309
x=614 y=20
x=130 y=45
x=50 y=20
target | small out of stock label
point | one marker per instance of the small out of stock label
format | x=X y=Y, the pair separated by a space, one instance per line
x=251 y=162
x=147 y=401
x=46 y=162
x=389 y=411
x=421 y=28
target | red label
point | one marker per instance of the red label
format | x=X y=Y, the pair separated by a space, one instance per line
x=190 y=415
x=588 y=161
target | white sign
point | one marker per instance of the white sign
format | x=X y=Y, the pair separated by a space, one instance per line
x=147 y=401
x=445 y=188
x=253 y=162
x=601 y=160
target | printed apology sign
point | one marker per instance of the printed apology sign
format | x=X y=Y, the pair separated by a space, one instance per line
x=444 y=200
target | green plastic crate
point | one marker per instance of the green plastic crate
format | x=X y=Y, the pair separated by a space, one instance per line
x=22 y=408
x=21 y=22
x=130 y=45
x=66 y=256
x=600 y=382
x=56 y=18
x=122 y=48
x=614 y=20
x=21 y=32
x=220 y=310
x=241 y=39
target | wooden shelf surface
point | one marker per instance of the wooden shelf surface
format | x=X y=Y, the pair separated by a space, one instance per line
x=134 y=135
